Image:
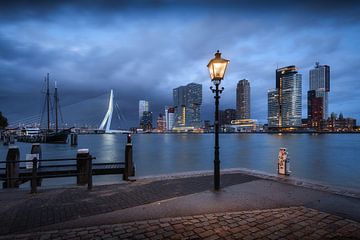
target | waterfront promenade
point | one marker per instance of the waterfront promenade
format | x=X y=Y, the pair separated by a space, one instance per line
x=249 y=206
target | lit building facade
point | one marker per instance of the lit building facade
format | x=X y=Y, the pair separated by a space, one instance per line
x=284 y=103
x=319 y=80
x=143 y=107
x=243 y=99
x=146 y=121
x=273 y=108
x=244 y=125
x=179 y=99
x=187 y=103
x=339 y=124
x=315 y=110
x=160 y=123
x=169 y=118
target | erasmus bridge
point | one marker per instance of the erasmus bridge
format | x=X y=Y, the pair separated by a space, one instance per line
x=106 y=122
x=92 y=119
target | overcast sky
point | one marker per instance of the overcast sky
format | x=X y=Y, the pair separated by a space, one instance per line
x=144 y=49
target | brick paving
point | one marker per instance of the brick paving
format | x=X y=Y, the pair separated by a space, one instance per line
x=56 y=206
x=283 y=223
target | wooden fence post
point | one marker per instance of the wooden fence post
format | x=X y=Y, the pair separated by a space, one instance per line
x=82 y=162
x=128 y=171
x=12 y=167
x=90 y=179
x=36 y=149
x=34 y=175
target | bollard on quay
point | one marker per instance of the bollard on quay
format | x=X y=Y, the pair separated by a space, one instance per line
x=12 y=167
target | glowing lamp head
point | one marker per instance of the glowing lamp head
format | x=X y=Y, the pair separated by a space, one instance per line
x=217 y=67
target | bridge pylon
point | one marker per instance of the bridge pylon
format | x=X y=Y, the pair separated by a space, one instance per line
x=106 y=122
x=108 y=116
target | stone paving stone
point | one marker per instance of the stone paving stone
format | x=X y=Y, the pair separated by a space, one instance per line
x=203 y=228
x=59 y=205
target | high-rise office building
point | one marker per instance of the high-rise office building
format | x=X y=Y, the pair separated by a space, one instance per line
x=315 y=109
x=273 y=108
x=187 y=103
x=169 y=117
x=319 y=81
x=143 y=106
x=179 y=99
x=146 y=121
x=243 y=99
x=284 y=103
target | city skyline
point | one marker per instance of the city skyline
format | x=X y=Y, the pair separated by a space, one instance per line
x=103 y=49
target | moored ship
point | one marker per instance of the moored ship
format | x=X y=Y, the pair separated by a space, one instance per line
x=47 y=135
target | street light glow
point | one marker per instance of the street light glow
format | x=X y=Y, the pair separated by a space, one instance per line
x=217 y=67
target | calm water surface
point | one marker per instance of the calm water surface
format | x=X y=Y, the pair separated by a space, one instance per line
x=329 y=158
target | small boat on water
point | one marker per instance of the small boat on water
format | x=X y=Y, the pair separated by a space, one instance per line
x=47 y=135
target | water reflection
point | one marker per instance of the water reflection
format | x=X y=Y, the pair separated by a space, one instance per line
x=330 y=158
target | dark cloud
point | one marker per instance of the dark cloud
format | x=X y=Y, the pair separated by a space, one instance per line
x=144 y=49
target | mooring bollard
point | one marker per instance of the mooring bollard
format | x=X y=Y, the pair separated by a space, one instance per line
x=82 y=164
x=74 y=139
x=36 y=149
x=283 y=162
x=12 y=167
x=34 y=182
x=129 y=166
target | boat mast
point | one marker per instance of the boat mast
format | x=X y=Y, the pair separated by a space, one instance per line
x=56 y=108
x=48 y=101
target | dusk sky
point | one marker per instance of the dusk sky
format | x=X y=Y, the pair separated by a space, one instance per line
x=144 y=49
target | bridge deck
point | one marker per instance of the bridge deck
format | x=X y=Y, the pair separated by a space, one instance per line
x=68 y=170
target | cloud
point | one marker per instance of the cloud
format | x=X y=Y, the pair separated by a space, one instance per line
x=144 y=49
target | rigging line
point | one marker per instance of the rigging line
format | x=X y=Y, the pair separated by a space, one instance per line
x=26 y=119
x=61 y=115
x=60 y=111
x=17 y=124
x=42 y=112
x=81 y=101
x=42 y=109
x=122 y=116
x=117 y=111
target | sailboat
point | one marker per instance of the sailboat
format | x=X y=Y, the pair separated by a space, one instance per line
x=49 y=135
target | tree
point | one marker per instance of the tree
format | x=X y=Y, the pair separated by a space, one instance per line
x=3 y=121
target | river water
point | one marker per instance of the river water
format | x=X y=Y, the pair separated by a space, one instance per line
x=332 y=159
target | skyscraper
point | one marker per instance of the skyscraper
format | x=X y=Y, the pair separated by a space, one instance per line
x=243 y=99
x=187 y=103
x=319 y=80
x=273 y=108
x=146 y=121
x=179 y=98
x=143 y=107
x=285 y=111
x=315 y=109
x=169 y=117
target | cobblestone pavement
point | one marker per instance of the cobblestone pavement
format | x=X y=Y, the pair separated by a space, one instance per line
x=60 y=205
x=283 y=223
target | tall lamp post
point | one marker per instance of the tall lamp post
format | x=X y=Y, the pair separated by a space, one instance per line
x=217 y=67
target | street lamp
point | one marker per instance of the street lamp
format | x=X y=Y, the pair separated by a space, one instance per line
x=217 y=67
